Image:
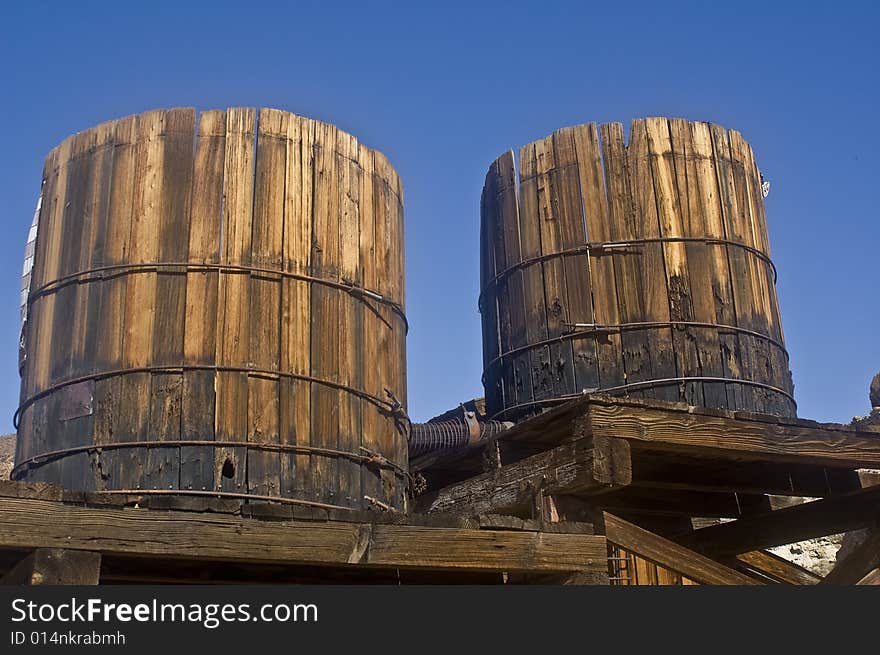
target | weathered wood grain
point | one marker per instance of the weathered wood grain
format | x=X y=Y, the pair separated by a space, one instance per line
x=671 y=555
x=578 y=467
x=784 y=526
x=205 y=536
x=778 y=568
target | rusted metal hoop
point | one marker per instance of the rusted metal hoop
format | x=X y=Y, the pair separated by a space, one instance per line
x=645 y=384
x=369 y=458
x=100 y=272
x=621 y=327
x=393 y=409
x=609 y=247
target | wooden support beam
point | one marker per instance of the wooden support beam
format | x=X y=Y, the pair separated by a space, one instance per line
x=656 y=469
x=859 y=563
x=873 y=578
x=817 y=518
x=175 y=535
x=582 y=466
x=735 y=439
x=56 y=566
x=671 y=555
x=777 y=568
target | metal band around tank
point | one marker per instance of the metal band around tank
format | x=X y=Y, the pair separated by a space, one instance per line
x=113 y=270
x=392 y=408
x=645 y=384
x=621 y=327
x=366 y=457
x=608 y=247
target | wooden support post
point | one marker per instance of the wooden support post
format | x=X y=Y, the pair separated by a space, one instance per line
x=56 y=566
x=670 y=555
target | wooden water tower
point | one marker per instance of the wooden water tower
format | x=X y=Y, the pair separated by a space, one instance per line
x=217 y=306
x=640 y=269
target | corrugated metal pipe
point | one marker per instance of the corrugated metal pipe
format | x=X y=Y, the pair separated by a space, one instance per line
x=449 y=435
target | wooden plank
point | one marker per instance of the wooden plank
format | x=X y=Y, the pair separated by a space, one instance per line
x=79 y=431
x=581 y=466
x=735 y=439
x=628 y=268
x=69 y=328
x=295 y=404
x=162 y=469
x=200 y=322
x=233 y=324
x=388 y=356
x=778 y=568
x=873 y=578
x=722 y=307
x=264 y=291
x=518 y=383
x=372 y=422
x=140 y=305
x=496 y=375
x=671 y=555
x=195 y=536
x=109 y=352
x=699 y=258
x=540 y=358
x=740 y=274
x=484 y=549
x=818 y=518
x=858 y=563
x=325 y=307
x=351 y=316
x=645 y=224
x=569 y=214
x=594 y=194
x=671 y=208
x=55 y=566
x=555 y=303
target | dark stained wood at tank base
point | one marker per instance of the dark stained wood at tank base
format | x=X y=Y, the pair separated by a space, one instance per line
x=354 y=544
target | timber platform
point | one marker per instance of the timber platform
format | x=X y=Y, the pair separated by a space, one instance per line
x=599 y=490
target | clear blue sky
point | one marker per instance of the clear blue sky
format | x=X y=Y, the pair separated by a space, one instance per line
x=444 y=89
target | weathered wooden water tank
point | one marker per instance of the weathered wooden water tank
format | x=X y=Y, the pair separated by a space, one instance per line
x=641 y=268
x=217 y=306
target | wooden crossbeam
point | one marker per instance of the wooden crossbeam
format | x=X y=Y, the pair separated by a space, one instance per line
x=29 y=523
x=857 y=564
x=671 y=555
x=582 y=466
x=656 y=469
x=818 y=518
x=778 y=568
x=735 y=439
x=873 y=578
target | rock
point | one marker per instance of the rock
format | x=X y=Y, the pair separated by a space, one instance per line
x=875 y=391
x=7 y=455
